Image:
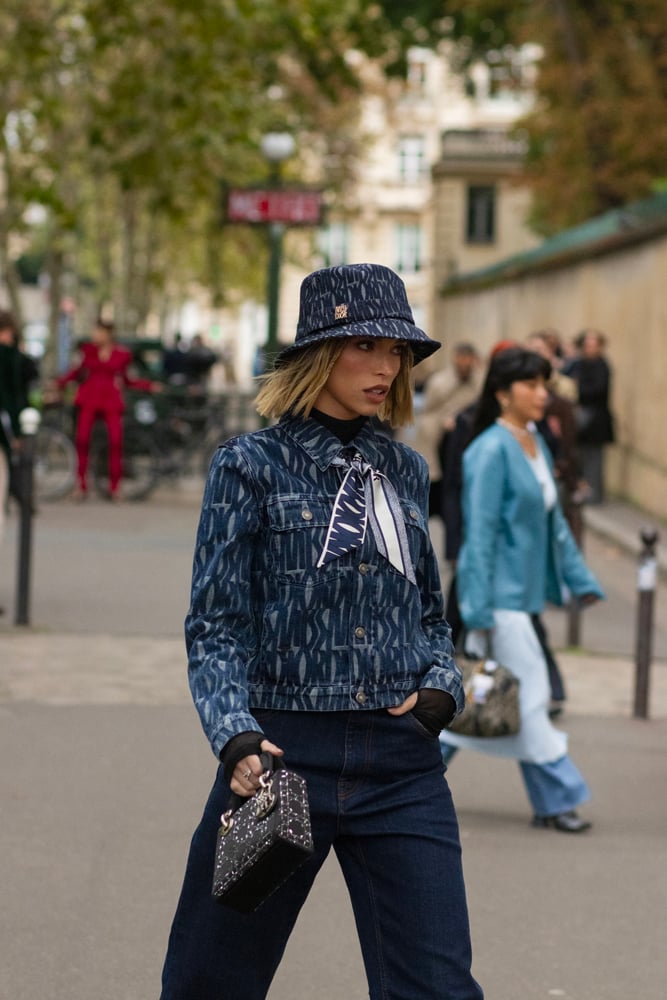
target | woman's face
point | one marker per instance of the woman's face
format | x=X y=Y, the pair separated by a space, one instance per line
x=592 y=346
x=361 y=378
x=526 y=400
x=102 y=336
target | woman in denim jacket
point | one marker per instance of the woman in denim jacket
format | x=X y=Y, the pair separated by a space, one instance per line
x=316 y=630
x=517 y=554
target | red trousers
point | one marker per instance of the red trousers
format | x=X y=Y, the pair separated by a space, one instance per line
x=84 y=428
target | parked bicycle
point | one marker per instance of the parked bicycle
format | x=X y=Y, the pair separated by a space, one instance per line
x=55 y=461
x=169 y=437
x=55 y=454
x=184 y=428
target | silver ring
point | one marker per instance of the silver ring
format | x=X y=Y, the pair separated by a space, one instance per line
x=247 y=775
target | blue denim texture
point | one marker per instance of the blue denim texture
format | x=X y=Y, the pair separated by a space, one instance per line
x=378 y=797
x=268 y=629
x=554 y=788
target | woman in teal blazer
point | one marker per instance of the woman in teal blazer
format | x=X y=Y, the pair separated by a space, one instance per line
x=517 y=554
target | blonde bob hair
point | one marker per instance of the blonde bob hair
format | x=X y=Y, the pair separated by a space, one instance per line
x=296 y=384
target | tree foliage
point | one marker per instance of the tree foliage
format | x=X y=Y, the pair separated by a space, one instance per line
x=121 y=118
x=597 y=135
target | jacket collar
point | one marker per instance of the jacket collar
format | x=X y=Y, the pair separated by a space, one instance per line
x=323 y=447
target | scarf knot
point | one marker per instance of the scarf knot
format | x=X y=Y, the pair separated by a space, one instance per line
x=366 y=497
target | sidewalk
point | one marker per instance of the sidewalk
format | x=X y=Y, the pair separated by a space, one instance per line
x=107 y=769
x=621 y=523
x=54 y=669
x=74 y=660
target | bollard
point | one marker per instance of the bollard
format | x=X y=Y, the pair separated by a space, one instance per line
x=646 y=581
x=29 y=420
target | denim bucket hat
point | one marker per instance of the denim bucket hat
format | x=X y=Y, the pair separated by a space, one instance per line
x=356 y=300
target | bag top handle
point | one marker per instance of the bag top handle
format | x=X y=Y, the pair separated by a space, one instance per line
x=270 y=764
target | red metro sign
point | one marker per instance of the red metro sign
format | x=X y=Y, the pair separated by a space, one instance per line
x=291 y=206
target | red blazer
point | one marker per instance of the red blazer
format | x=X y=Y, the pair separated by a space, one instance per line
x=102 y=381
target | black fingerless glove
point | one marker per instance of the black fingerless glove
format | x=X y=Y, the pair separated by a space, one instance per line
x=240 y=746
x=435 y=709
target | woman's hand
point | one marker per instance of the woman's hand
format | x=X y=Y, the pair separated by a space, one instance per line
x=432 y=708
x=248 y=771
x=407 y=705
x=586 y=600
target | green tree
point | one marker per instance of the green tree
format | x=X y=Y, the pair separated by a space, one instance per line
x=122 y=117
x=597 y=135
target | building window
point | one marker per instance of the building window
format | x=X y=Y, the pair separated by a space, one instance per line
x=481 y=214
x=408 y=247
x=416 y=70
x=333 y=241
x=411 y=158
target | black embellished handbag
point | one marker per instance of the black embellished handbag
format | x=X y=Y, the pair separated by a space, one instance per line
x=262 y=840
x=492 y=700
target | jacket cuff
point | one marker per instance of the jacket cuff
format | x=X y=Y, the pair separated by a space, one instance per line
x=447 y=679
x=231 y=726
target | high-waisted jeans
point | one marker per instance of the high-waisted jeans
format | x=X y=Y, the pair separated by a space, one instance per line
x=378 y=797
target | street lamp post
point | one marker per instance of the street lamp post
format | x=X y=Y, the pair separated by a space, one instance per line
x=276 y=148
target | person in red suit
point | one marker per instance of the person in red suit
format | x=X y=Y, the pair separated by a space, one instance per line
x=102 y=373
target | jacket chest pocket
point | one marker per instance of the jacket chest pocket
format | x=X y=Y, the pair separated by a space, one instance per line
x=416 y=529
x=297 y=532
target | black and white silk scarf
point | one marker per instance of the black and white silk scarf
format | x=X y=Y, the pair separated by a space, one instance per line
x=367 y=497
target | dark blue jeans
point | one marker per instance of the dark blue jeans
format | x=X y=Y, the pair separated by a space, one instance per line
x=378 y=797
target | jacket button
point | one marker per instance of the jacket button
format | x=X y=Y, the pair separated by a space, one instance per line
x=414 y=515
x=363 y=567
x=361 y=697
x=307 y=515
x=360 y=631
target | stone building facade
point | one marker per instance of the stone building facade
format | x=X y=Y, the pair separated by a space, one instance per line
x=428 y=141
x=608 y=274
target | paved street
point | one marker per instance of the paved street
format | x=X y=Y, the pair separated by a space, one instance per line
x=105 y=770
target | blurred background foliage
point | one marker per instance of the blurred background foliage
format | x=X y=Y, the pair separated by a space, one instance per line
x=121 y=118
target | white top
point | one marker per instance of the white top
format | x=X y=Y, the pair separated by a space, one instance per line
x=545 y=479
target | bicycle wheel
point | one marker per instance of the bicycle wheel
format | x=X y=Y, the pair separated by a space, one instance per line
x=140 y=465
x=54 y=464
x=212 y=441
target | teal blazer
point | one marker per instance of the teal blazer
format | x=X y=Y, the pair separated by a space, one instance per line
x=516 y=555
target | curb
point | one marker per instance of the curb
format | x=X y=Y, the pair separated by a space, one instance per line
x=597 y=520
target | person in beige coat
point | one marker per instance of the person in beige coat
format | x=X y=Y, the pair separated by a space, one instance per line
x=447 y=391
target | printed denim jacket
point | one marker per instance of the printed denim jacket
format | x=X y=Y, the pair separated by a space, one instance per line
x=266 y=628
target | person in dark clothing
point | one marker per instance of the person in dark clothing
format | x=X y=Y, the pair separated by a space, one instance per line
x=454 y=444
x=11 y=404
x=199 y=360
x=595 y=425
x=26 y=376
x=175 y=362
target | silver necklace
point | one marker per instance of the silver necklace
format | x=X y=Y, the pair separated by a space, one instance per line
x=523 y=432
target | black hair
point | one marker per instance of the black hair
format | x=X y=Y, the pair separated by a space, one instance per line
x=465 y=347
x=514 y=364
x=7 y=322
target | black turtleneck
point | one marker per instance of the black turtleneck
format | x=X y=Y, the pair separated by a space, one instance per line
x=345 y=430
